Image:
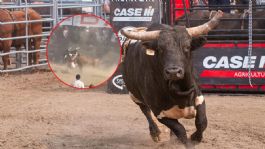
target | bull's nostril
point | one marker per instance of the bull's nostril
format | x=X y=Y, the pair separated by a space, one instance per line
x=180 y=71
x=167 y=71
x=173 y=72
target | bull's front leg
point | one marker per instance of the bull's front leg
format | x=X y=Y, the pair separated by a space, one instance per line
x=154 y=130
x=177 y=128
x=200 y=120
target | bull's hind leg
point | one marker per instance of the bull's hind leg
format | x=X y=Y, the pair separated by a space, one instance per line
x=154 y=130
x=36 y=55
x=5 y=58
x=6 y=61
x=200 y=120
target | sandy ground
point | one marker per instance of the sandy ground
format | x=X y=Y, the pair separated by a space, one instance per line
x=36 y=111
x=89 y=74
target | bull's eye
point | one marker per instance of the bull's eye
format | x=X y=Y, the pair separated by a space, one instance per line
x=160 y=50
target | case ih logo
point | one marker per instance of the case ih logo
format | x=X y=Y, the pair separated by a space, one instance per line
x=233 y=67
x=233 y=62
x=134 y=14
x=134 y=11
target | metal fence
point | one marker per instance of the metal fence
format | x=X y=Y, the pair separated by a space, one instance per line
x=52 y=12
x=241 y=32
x=238 y=13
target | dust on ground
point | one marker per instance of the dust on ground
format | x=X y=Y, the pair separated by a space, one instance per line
x=90 y=75
x=37 y=111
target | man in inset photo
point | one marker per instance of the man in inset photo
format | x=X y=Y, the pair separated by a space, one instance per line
x=78 y=83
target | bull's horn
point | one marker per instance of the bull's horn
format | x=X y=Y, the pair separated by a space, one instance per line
x=140 y=29
x=139 y=34
x=206 y=27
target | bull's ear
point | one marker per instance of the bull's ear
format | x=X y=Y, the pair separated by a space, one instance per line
x=150 y=47
x=149 y=44
x=197 y=42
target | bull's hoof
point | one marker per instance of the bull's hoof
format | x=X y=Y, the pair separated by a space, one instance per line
x=189 y=145
x=196 y=137
x=155 y=134
x=155 y=138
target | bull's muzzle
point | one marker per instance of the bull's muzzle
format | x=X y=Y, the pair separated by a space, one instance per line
x=174 y=73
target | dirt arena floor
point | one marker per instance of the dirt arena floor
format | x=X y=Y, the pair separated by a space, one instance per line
x=89 y=75
x=38 y=112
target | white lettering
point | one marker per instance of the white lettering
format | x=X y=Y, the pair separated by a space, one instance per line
x=233 y=62
x=222 y=63
x=255 y=74
x=236 y=62
x=262 y=62
x=207 y=60
x=149 y=11
x=128 y=12
x=252 y=62
x=138 y=11
x=117 y=11
x=123 y=12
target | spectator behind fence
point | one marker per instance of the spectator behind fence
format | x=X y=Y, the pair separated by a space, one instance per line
x=200 y=3
x=214 y=5
x=106 y=7
x=245 y=3
x=78 y=83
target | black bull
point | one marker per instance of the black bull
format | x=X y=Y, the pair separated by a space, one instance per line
x=231 y=26
x=158 y=72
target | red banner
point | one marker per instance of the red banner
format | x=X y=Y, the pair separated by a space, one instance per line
x=231 y=74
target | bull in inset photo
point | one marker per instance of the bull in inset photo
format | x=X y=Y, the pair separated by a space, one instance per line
x=159 y=74
x=73 y=59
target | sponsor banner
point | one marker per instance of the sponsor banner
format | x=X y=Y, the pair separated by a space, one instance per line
x=116 y=84
x=133 y=13
x=232 y=74
x=230 y=66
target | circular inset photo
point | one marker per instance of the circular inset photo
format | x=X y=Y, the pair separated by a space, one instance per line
x=83 y=51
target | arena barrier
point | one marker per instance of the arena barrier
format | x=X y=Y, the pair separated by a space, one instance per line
x=130 y=13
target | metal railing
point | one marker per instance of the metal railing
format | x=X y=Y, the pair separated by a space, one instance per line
x=52 y=11
x=224 y=35
x=241 y=25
